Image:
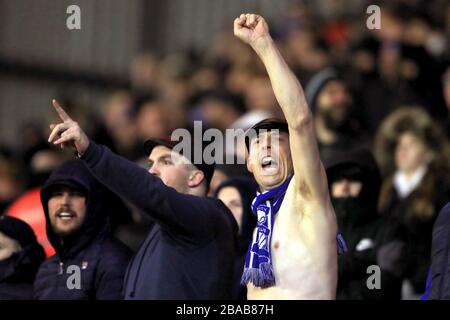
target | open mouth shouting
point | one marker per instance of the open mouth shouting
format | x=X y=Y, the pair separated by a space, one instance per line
x=269 y=164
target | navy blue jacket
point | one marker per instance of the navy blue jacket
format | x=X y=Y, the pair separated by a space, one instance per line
x=189 y=253
x=438 y=284
x=101 y=259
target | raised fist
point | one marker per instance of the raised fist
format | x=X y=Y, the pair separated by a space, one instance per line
x=251 y=28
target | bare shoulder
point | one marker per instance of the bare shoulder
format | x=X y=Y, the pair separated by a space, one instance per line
x=312 y=216
x=300 y=195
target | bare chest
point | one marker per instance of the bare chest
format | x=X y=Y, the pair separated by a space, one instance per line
x=305 y=266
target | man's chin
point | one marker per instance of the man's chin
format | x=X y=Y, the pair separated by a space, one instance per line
x=62 y=233
x=270 y=181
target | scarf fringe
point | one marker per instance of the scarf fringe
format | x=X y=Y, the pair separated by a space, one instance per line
x=260 y=277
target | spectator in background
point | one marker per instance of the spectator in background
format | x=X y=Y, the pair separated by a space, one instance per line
x=20 y=258
x=10 y=183
x=118 y=118
x=304 y=53
x=395 y=67
x=259 y=96
x=336 y=126
x=220 y=109
x=151 y=118
x=144 y=73
x=237 y=194
x=226 y=171
x=229 y=52
x=355 y=182
x=41 y=160
x=76 y=209
x=414 y=156
x=217 y=179
x=236 y=80
x=204 y=78
x=446 y=93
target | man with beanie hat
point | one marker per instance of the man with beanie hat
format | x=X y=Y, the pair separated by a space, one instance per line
x=20 y=258
x=336 y=126
x=89 y=263
x=189 y=252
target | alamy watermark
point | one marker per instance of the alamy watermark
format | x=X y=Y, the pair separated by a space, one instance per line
x=374 y=20
x=373 y=282
x=214 y=146
x=74 y=279
x=73 y=21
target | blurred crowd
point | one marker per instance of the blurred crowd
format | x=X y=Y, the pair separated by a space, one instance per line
x=385 y=91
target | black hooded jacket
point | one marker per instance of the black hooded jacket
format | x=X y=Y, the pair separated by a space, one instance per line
x=101 y=259
x=371 y=239
x=18 y=272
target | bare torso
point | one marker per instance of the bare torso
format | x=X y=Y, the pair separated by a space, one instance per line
x=304 y=251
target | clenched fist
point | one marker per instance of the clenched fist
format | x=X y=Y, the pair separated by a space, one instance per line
x=68 y=133
x=251 y=28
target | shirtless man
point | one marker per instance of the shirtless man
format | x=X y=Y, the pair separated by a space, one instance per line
x=302 y=260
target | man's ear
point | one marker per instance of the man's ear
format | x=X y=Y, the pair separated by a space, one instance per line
x=249 y=161
x=196 y=177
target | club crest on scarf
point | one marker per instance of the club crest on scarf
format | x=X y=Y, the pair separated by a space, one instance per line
x=258 y=264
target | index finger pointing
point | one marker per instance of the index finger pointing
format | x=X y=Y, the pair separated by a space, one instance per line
x=62 y=114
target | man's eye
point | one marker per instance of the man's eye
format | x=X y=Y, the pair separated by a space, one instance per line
x=77 y=194
x=167 y=162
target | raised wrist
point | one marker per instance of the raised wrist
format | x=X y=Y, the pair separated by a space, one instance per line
x=262 y=44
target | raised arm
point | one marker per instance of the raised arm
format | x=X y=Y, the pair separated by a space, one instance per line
x=189 y=216
x=309 y=175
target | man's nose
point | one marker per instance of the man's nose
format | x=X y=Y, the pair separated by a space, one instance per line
x=266 y=146
x=154 y=170
x=346 y=187
x=267 y=143
x=65 y=199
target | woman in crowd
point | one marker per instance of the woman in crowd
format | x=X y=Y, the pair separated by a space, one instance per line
x=237 y=194
x=414 y=156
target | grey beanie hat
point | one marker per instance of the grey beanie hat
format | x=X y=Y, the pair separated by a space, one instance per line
x=317 y=83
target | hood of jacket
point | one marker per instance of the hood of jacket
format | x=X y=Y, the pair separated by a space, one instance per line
x=22 y=266
x=361 y=164
x=247 y=188
x=74 y=173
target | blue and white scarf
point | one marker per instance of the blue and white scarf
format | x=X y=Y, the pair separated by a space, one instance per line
x=258 y=262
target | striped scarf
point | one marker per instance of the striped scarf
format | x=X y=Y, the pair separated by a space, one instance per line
x=258 y=262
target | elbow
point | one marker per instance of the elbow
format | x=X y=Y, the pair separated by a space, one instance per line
x=301 y=121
